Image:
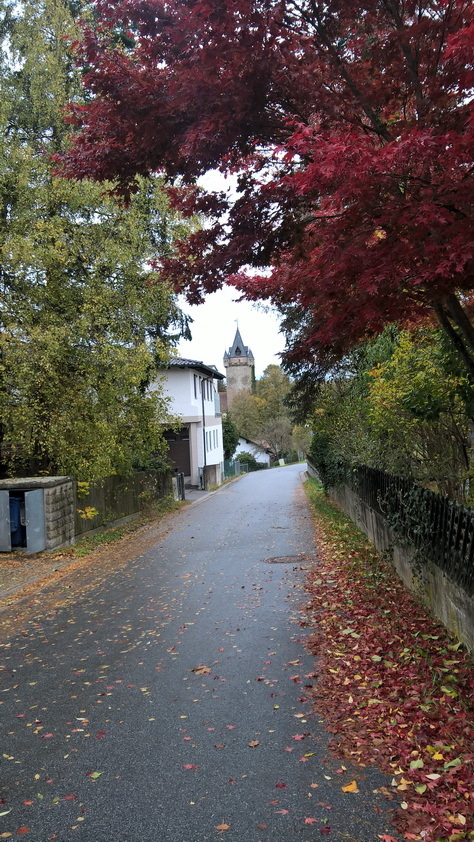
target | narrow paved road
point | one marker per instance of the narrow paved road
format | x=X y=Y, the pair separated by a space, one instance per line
x=166 y=702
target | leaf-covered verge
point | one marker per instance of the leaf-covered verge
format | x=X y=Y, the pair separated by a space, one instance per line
x=23 y=575
x=394 y=688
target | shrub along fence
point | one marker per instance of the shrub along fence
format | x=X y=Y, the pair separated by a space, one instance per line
x=430 y=538
x=114 y=498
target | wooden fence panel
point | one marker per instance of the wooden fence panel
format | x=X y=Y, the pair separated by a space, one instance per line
x=115 y=497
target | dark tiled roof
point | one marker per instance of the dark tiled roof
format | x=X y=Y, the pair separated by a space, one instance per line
x=198 y=365
x=238 y=349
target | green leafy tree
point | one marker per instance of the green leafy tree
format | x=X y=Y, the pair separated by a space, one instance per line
x=301 y=439
x=84 y=318
x=416 y=406
x=230 y=437
x=265 y=416
x=273 y=387
x=400 y=404
x=249 y=414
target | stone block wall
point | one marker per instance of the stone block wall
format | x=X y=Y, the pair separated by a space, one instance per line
x=59 y=512
x=59 y=498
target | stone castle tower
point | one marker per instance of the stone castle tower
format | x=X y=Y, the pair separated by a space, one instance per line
x=239 y=367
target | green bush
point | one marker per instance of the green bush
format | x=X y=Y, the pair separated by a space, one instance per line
x=326 y=460
x=249 y=459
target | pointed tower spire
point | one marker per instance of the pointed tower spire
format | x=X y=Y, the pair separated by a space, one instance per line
x=239 y=364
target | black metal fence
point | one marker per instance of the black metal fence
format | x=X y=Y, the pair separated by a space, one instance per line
x=440 y=529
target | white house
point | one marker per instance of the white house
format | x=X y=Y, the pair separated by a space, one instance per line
x=197 y=449
x=257 y=449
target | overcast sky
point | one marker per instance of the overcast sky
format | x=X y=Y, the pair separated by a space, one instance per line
x=214 y=326
x=215 y=321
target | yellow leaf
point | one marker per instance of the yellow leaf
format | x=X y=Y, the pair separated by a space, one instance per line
x=438 y=756
x=352 y=787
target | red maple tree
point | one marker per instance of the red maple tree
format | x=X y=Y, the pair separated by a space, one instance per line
x=348 y=128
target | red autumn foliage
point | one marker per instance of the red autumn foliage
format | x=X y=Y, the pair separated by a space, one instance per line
x=347 y=125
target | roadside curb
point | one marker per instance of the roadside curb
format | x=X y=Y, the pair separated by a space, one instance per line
x=216 y=491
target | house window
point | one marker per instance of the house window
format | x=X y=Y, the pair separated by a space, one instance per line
x=195 y=386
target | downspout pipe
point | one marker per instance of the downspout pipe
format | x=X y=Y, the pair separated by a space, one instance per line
x=203 y=433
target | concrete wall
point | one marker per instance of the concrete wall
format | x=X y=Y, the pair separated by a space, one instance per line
x=214 y=447
x=448 y=602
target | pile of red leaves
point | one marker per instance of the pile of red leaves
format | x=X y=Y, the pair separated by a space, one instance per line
x=394 y=688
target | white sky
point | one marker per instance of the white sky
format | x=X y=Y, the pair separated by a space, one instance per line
x=214 y=327
x=215 y=321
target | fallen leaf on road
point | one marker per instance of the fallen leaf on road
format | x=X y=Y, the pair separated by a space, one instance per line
x=352 y=787
x=310 y=821
x=23 y=829
x=222 y=827
x=190 y=766
x=253 y=743
x=202 y=670
x=280 y=786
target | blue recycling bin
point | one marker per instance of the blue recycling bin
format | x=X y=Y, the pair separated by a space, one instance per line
x=15 y=521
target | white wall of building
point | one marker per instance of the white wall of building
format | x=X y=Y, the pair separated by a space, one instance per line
x=247 y=446
x=193 y=395
x=183 y=386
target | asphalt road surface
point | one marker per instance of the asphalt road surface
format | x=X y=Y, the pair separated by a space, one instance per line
x=165 y=701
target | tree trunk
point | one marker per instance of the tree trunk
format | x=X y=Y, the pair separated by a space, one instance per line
x=451 y=310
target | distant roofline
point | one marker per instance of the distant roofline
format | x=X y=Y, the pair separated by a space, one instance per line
x=198 y=365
